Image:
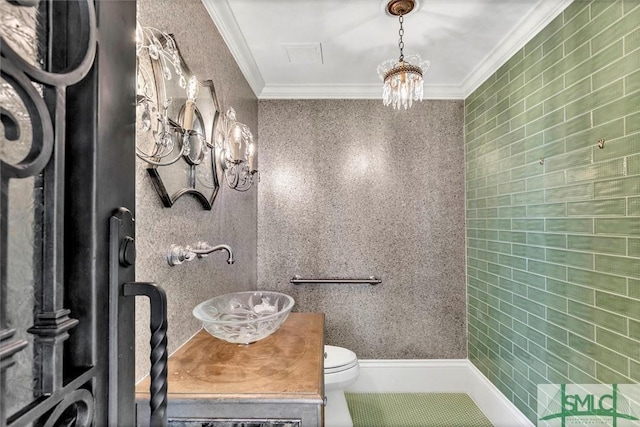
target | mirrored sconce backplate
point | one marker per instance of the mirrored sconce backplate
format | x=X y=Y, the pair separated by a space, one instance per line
x=176 y=118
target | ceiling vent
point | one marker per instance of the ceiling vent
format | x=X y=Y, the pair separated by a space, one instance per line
x=304 y=53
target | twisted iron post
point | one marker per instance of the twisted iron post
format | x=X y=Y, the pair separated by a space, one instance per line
x=158 y=324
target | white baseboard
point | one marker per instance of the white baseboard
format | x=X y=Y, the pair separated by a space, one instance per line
x=495 y=405
x=411 y=376
x=439 y=376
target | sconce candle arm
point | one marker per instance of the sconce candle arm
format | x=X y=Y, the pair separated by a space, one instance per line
x=165 y=142
x=240 y=178
x=179 y=254
x=157 y=158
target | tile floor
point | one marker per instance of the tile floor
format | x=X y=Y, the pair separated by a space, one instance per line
x=414 y=410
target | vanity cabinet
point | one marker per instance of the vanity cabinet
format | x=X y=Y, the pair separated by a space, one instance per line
x=275 y=382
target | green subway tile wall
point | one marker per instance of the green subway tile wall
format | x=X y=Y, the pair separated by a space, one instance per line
x=553 y=221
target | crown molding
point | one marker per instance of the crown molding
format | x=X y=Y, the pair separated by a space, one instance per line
x=531 y=24
x=225 y=21
x=367 y=91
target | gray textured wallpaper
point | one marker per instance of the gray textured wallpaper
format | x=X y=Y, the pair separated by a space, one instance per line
x=233 y=218
x=351 y=188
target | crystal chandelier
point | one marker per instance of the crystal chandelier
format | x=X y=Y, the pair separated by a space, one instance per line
x=402 y=78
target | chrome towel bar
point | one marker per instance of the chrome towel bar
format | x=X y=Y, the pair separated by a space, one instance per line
x=372 y=280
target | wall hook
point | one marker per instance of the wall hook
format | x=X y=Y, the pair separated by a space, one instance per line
x=601 y=143
x=542 y=160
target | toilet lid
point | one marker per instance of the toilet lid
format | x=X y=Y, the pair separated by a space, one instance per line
x=338 y=357
x=328 y=371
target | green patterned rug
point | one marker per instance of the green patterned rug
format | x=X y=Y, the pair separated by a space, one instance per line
x=414 y=410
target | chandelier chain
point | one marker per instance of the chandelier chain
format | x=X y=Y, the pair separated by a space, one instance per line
x=401 y=42
x=403 y=79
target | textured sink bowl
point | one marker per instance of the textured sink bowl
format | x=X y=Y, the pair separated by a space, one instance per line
x=244 y=317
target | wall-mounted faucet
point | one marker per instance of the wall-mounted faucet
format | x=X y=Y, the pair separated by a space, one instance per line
x=179 y=254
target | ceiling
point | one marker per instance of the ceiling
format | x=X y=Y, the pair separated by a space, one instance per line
x=297 y=49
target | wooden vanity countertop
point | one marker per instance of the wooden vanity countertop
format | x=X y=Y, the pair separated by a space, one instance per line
x=286 y=365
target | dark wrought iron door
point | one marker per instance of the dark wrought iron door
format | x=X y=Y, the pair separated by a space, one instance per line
x=67 y=153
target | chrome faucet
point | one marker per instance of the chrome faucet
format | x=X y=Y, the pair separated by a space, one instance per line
x=179 y=254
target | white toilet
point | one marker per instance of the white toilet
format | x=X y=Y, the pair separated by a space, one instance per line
x=341 y=369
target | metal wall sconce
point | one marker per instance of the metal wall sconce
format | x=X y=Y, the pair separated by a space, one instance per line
x=236 y=152
x=189 y=147
x=177 y=116
x=179 y=119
